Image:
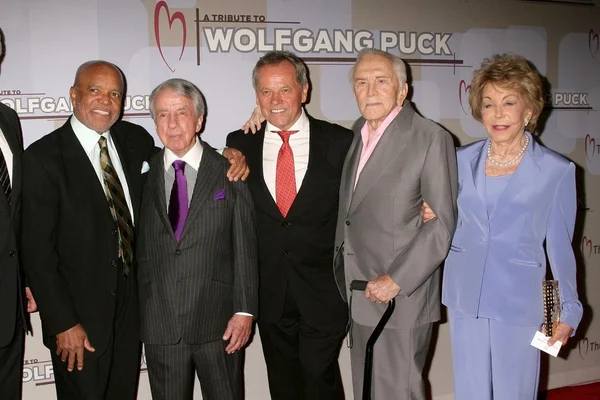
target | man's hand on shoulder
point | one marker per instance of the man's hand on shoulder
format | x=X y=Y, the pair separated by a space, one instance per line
x=255 y=121
x=237 y=332
x=239 y=168
x=70 y=346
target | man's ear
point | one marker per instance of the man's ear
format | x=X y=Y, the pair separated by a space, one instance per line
x=402 y=93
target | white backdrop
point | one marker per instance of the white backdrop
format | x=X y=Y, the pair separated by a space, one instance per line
x=216 y=45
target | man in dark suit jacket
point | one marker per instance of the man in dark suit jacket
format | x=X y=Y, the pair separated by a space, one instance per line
x=13 y=310
x=302 y=316
x=81 y=195
x=14 y=320
x=197 y=253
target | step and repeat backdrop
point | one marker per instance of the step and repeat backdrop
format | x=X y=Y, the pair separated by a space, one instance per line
x=215 y=44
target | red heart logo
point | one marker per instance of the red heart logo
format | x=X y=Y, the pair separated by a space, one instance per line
x=171 y=18
x=586 y=247
x=590 y=147
x=463 y=88
x=584 y=347
x=593 y=43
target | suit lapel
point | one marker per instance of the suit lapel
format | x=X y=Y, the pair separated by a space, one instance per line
x=478 y=174
x=350 y=168
x=126 y=151
x=524 y=174
x=80 y=170
x=156 y=180
x=208 y=173
x=392 y=143
x=16 y=148
x=261 y=195
x=317 y=155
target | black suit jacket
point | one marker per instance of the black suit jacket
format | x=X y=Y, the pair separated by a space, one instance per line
x=69 y=239
x=12 y=299
x=296 y=252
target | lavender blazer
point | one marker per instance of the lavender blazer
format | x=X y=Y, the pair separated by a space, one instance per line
x=507 y=247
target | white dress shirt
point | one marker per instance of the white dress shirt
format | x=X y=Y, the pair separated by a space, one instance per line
x=192 y=159
x=8 y=156
x=89 y=141
x=299 y=142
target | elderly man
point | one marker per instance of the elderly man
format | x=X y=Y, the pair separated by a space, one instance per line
x=303 y=319
x=198 y=273
x=397 y=159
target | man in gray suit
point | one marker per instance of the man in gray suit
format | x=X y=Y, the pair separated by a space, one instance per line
x=397 y=159
x=197 y=255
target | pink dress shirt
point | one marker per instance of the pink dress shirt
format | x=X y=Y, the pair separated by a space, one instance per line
x=369 y=146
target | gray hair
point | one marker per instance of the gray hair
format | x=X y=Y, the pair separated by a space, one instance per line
x=184 y=88
x=276 y=58
x=397 y=63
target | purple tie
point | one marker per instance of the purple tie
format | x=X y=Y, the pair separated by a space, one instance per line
x=178 y=204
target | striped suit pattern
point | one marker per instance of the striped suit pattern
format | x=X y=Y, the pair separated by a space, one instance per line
x=190 y=289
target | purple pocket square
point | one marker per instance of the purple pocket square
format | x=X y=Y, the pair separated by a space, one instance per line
x=219 y=194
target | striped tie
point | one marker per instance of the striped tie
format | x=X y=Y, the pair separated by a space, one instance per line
x=118 y=207
x=4 y=177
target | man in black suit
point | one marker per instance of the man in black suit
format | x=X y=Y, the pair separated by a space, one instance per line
x=197 y=253
x=13 y=294
x=81 y=196
x=296 y=163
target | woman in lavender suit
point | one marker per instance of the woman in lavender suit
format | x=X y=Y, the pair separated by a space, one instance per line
x=514 y=196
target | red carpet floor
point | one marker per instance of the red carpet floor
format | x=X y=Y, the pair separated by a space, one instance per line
x=583 y=392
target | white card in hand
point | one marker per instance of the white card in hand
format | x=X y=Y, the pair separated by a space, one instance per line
x=540 y=341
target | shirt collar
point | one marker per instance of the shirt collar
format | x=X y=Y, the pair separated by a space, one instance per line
x=86 y=136
x=191 y=158
x=384 y=125
x=300 y=125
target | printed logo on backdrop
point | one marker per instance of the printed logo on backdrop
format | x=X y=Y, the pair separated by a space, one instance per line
x=591 y=148
x=586 y=347
x=593 y=43
x=224 y=33
x=36 y=105
x=567 y=101
x=588 y=248
x=463 y=96
x=38 y=372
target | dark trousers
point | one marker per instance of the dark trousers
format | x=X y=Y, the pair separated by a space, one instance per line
x=114 y=374
x=302 y=361
x=171 y=371
x=11 y=364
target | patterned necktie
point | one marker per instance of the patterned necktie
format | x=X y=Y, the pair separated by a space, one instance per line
x=4 y=177
x=285 y=178
x=118 y=207
x=178 y=203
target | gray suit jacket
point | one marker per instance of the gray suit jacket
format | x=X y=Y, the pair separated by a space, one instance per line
x=190 y=289
x=379 y=227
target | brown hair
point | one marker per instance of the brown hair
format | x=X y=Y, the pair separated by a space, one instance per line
x=510 y=71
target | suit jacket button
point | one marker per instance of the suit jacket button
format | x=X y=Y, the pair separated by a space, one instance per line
x=12 y=253
x=337 y=248
x=287 y=253
x=113 y=263
x=114 y=232
x=113 y=292
x=177 y=252
x=347 y=223
x=285 y=224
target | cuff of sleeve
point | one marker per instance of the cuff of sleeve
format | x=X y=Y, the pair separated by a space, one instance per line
x=244 y=313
